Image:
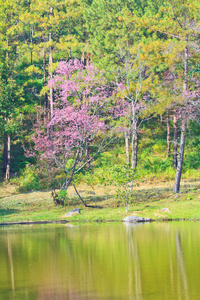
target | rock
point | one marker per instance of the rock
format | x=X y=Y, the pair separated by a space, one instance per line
x=73 y=212
x=166 y=210
x=135 y=219
x=176 y=197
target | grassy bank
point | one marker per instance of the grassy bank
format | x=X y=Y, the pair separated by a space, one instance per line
x=149 y=201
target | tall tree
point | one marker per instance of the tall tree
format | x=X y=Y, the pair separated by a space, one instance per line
x=115 y=47
x=84 y=106
x=177 y=23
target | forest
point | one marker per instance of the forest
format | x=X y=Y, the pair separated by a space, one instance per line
x=99 y=91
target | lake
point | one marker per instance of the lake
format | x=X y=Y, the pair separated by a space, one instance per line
x=101 y=261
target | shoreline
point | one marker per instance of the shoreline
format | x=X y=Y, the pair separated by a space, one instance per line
x=94 y=221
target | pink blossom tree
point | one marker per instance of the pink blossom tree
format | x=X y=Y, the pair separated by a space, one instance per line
x=84 y=109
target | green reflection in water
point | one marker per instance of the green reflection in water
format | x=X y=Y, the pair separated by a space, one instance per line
x=106 y=261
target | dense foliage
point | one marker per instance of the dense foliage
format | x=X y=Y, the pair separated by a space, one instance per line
x=145 y=53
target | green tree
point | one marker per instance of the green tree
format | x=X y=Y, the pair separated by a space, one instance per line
x=11 y=93
x=178 y=23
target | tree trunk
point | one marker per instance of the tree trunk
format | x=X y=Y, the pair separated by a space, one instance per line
x=180 y=158
x=45 y=81
x=50 y=91
x=175 y=140
x=31 y=38
x=88 y=154
x=50 y=77
x=8 y=159
x=183 y=130
x=127 y=148
x=5 y=151
x=168 y=134
x=136 y=148
x=92 y=206
x=133 y=141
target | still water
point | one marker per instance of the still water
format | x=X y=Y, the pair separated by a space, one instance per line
x=101 y=261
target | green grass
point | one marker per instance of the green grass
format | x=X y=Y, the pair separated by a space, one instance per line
x=148 y=201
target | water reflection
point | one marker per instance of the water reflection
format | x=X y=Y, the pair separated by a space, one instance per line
x=134 y=289
x=181 y=270
x=108 y=261
x=10 y=258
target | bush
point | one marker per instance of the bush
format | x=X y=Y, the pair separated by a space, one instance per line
x=38 y=177
x=28 y=180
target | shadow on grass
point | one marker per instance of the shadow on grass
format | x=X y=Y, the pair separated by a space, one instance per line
x=139 y=196
x=154 y=194
x=5 y=212
x=88 y=199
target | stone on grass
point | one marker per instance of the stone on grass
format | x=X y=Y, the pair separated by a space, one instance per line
x=135 y=219
x=73 y=212
x=166 y=210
